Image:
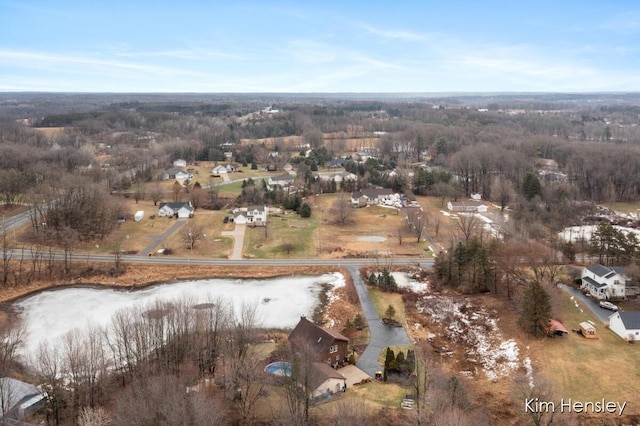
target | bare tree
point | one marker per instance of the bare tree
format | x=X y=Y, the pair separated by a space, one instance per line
x=467 y=226
x=156 y=194
x=94 y=417
x=342 y=209
x=48 y=365
x=417 y=221
x=502 y=190
x=192 y=234
x=164 y=401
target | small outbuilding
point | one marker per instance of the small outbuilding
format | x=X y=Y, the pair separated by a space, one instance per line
x=587 y=330
x=554 y=328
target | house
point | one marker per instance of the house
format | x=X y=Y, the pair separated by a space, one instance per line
x=323 y=344
x=604 y=282
x=252 y=216
x=626 y=325
x=180 y=163
x=325 y=381
x=178 y=174
x=469 y=206
x=19 y=400
x=282 y=181
x=337 y=163
x=374 y=196
x=179 y=210
x=345 y=177
x=222 y=169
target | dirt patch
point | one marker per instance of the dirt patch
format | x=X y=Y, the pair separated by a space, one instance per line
x=297 y=225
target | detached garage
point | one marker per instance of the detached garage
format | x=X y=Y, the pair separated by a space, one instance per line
x=626 y=325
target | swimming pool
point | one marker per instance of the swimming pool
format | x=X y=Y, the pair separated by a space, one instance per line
x=279 y=368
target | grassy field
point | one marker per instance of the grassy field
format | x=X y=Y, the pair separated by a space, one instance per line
x=591 y=369
x=382 y=300
x=212 y=244
x=288 y=236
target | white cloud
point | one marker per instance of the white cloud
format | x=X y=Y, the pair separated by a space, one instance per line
x=392 y=34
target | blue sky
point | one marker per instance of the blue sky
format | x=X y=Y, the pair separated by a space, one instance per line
x=310 y=46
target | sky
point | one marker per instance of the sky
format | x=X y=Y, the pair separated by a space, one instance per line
x=372 y=46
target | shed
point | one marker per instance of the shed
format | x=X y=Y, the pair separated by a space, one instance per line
x=557 y=329
x=587 y=330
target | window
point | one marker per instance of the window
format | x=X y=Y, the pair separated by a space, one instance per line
x=333 y=349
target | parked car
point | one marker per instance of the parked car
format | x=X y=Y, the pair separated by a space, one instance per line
x=608 y=305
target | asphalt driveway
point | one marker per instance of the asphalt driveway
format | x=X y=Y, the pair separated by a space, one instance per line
x=381 y=335
x=601 y=313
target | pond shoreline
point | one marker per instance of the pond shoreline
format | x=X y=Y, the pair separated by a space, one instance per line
x=143 y=276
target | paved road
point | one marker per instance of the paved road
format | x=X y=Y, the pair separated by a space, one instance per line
x=381 y=335
x=238 y=240
x=158 y=239
x=602 y=314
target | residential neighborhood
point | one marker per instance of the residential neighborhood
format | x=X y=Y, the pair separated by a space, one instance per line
x=327 y=255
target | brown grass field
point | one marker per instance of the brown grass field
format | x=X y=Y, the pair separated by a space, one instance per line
x=569 y=362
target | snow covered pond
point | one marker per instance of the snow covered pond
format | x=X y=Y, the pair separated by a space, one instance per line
x=50 y=314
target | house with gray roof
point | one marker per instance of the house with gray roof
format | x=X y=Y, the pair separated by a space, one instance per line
x=626 y=325
x=178 y=210
x=176 y=173
x=604 y=282
x=18 y=399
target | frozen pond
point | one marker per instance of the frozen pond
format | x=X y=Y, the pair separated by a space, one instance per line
x=280 y=302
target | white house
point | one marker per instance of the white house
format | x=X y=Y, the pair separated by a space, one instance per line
x=222 y=169
x=604 y=282
x=180 y=163
x=326 y=381
x=179 y=210
x=345 y=177
x=252 y=216
x=177 y=174
x=470 y=206
x=374 y=196
x=626 y=325
x=283 y=181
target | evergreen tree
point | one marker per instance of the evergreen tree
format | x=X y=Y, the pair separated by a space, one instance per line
x=390 y=312
x=536 y=306
x=531 y=186
x=305 y=210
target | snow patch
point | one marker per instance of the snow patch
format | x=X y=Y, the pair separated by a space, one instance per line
x=477 y=330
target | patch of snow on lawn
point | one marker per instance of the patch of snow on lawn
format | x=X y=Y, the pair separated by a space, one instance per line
x=477 y=330
x=404 y=281
x=527 y=366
